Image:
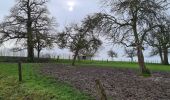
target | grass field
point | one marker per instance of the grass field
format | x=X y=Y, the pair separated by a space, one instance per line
x=38 y=87
x=34 y=86
x=117 y=64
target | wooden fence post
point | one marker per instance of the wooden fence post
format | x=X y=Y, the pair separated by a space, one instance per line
x=100 y=90
x=20 y=71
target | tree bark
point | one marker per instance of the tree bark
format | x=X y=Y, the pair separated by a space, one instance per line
x=30 y=48
x=131 y=59
x=160 y=54
x=39 y=54
x=141 y=61
x=74 y=58
x=38 y=48
x=165 y=50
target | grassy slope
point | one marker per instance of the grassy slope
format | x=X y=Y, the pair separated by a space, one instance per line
x=34 y=86
x=153 y=67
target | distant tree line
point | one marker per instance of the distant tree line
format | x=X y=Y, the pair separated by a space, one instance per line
x=134 y=24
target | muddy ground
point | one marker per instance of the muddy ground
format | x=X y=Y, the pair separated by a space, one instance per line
x=119 y=84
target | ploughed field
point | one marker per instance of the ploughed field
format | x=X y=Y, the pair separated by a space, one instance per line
x=119 y=84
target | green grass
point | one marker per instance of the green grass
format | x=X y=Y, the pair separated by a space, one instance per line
x=118 y=64
x=34 y=86
x=38 y=87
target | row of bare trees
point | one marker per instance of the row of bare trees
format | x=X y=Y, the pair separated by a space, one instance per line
x=131 y=23
x=30 y=25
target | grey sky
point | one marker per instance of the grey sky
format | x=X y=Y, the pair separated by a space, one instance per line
x=68 y=11
x=60 y=9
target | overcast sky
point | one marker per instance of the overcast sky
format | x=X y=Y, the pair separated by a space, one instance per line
x=68 y=11
x=65 y=11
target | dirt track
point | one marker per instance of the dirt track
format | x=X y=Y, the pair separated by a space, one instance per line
x=120 y=84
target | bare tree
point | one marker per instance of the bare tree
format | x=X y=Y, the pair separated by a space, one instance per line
x=78 y=39
x=44 y=34
x=42 y=42
x=88 y=52
x=131 y=53
x=112 y=54
x=20 y=23
x=128 y=23
x=157 y=51
x=159 y=39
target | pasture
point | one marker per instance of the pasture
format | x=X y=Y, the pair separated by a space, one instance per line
x=34 y=85
x=61 y=81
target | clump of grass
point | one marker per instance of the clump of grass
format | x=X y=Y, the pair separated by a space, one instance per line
x=146 y=73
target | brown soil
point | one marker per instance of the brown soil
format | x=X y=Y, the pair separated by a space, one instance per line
x=119 y=84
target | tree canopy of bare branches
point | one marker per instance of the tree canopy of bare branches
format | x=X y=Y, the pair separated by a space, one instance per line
x=79 y=40
x=27 y=19
x=128 y=22
x=159 y=39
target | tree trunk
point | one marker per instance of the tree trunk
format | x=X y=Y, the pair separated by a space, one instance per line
x=138 y=44
x=38 y=48
x=165 y=50
x=74 y=58
x=161 y=56
x=39 y=54
x=30 y=44
x=30 y=50
x=141 y=62
x=131 y=59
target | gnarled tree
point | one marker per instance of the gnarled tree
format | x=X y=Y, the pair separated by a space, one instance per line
x=128 y=23
x=41 y=41
x=20 y=23
x=44 y=33
x=79 y=40
x=159 y=39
